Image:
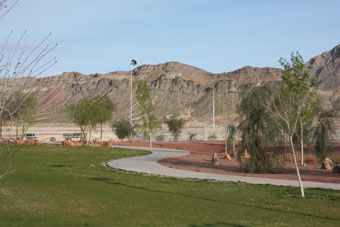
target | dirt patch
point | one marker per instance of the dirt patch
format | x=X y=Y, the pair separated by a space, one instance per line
x=200 y=161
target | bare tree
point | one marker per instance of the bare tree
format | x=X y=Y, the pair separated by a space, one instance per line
x=19 y=65
x=6 y=6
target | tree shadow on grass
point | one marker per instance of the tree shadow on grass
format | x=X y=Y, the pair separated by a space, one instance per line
x=216 y=224
x=110 y=181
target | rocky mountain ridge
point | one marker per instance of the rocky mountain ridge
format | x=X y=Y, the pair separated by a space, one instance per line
x=175 y=87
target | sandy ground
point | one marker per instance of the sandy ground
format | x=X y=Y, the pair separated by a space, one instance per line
x=200 y=160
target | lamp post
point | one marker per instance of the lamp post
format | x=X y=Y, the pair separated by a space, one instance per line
x=233 y=119
x=133 y=63
x=213 y=106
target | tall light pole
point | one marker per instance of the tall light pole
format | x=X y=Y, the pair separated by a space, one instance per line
x=233 y=119
x=133 y=63
x=213 y=106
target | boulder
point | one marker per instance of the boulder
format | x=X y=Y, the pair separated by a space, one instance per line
x=325 y=165
x=67 y=143
x=20 y=142
x=329 y=161
x=106 y=144
x=4 y=141
x=214 y=159
x=227 y=157
x=37 y=142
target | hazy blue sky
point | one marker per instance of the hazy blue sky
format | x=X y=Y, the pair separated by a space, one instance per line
x=215 y=35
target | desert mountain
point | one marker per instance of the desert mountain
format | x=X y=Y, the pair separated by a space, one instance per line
x=175 y=87
x=327 y=67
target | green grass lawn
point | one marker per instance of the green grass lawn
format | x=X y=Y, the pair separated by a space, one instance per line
x=59 y=186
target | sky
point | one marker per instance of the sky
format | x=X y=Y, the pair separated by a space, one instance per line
x=215 y=35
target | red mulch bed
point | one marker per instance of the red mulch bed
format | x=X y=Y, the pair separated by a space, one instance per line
x=201 y=154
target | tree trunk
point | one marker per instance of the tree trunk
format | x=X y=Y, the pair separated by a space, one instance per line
x=101 y=131
x=226 y=146
x=17 y=130
x=150 y=139
x=1 y=123
x=22 y=131
x=296 y=167
x=301 y=142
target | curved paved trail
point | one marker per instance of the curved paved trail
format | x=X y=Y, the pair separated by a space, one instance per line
x=148 y=164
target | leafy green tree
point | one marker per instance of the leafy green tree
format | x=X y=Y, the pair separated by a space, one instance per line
x=20 y=107
x=105 y=114
x=122 y=128
x=175 y=125
x=149 y=121
x=26 y=114
x=288 y=103
x=304 y=89
x=84 y=114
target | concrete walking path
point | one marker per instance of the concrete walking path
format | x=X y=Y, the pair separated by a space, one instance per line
x=148 y=164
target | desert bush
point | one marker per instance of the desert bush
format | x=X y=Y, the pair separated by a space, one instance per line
x=212 y=136
x=192 y=136
x=175 y=125
x=122 y=128
x=160 y=137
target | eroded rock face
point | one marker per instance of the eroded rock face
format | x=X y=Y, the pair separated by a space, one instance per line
x=327 y=67
x=175 y=87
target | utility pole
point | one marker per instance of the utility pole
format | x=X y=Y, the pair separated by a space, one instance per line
x=233 y=117
x=133 y=63
x=213 y=106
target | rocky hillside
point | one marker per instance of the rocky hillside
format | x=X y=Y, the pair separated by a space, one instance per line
x=327 y=67
x=175 y=87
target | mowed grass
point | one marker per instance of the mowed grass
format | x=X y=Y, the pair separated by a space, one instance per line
x=60 y=186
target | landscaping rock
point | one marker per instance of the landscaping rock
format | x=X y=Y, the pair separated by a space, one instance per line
x=37 y=142
x=4 y=141
x=327 y=164
x=53 y=139
x=214 y=159
x=67 y=143
x=106 y=144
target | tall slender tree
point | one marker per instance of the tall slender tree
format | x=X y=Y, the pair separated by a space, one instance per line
x=107 y=107
x=149 y=121
x=288 y=103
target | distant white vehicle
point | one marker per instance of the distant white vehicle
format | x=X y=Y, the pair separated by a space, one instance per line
x=30 y=136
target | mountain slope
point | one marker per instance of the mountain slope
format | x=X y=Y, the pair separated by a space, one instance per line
x=175 y=87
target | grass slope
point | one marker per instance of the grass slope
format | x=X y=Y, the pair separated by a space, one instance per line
x=59 y=186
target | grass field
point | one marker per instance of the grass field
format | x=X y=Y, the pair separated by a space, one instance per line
x=61 y=186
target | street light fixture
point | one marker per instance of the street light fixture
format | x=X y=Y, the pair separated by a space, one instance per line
x=133 y=63
x=233 y=92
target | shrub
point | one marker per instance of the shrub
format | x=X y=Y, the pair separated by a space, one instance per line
x=212 y=136
x=192 y=136
x=122 y=128
x=160 y=137
x=175 y=125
